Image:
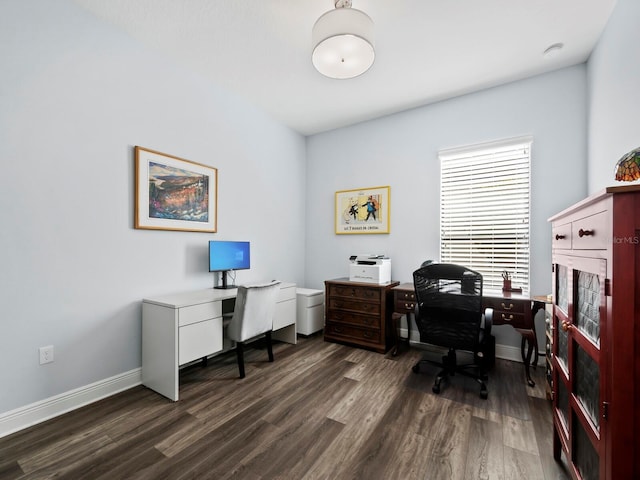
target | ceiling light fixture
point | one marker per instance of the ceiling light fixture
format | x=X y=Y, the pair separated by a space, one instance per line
x=552 y=50
x=343 y=44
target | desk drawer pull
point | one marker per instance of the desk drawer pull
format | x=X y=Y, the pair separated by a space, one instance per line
x=506 y=307
x=585 y=233
x=409 y=306
x=507 y=319
x=560 y=237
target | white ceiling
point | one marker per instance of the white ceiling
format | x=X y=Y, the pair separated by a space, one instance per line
x=426 y=50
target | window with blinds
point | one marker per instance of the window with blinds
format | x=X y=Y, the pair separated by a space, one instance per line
x=484 y=210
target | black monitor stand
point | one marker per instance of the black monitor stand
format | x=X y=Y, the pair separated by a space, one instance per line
x=224 y=281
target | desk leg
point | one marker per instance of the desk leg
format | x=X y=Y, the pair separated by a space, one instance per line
x=529 y=339
x=395 y=326
x=537 y=306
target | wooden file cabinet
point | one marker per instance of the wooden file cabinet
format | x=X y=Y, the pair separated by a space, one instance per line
x=359 y=314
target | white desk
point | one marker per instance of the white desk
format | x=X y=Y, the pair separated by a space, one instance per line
x=180 y=328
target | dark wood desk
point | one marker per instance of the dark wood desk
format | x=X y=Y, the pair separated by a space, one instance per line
x=509 y=308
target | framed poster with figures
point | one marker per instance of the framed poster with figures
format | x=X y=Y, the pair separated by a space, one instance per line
x=363 y=210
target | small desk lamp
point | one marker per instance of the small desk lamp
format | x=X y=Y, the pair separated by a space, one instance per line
x=628 y=167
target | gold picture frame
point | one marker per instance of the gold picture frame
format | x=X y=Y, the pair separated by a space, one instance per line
x=363 y=210
x=174 y=194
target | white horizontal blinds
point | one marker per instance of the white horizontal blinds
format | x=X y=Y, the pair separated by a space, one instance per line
x=484 y=210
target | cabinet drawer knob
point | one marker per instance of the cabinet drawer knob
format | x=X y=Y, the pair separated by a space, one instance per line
x=508 y=319
x=560 y=237
x=506 y=307
x=585 y=233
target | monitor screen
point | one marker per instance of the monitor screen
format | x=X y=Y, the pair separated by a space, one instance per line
x=226 y=255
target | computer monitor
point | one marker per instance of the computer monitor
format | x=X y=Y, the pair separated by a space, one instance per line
x=228 y=255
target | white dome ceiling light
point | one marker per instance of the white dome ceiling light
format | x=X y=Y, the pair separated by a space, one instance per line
x=343 y=45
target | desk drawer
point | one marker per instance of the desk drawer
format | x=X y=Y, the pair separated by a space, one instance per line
x=404 y=306
x=338 y=316
x=199 y=312
x=516 y=320
x=199 y=339
x=505 y=305
x=285 y=313
x=347 y=332
x=404 y=301
x=286 y=293
x=354 y=306
x=405 y=295
x=362 y=293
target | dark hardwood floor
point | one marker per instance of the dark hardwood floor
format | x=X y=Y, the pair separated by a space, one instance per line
x=320 y=411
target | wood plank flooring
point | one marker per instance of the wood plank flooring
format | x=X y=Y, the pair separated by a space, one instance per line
x=320 y=411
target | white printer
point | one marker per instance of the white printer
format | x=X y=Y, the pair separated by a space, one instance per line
x=370 y=269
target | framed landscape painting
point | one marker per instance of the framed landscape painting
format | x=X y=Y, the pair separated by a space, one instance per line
x=364 y=210
x=174 y=194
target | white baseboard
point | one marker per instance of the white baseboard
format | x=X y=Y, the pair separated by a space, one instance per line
x=507 y=352
x=23 y=417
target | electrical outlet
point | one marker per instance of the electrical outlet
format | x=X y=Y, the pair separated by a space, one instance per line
x=46 y=354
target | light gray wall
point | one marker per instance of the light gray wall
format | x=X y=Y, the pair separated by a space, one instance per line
x=75 y=97
x=614 y=95
x=401 y=151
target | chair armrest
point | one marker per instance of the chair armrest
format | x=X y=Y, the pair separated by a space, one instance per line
x=488 y=320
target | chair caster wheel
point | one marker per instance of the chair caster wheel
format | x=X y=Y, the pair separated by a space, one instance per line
x=484 y=394
x=416 y=369
x=435 y=389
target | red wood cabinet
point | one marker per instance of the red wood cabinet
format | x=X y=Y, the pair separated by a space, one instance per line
x=596 y=334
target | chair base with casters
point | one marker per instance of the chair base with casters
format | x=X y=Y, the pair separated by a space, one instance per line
x=450 y=367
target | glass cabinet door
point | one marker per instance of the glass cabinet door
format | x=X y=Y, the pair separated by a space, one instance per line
x=579 y=318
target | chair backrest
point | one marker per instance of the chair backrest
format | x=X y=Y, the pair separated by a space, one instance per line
x=253 y=312
x=449 y=300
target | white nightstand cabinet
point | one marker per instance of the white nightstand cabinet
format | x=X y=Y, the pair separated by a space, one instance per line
x=310 y=310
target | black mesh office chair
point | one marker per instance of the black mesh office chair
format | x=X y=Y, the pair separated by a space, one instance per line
x=449 y=314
